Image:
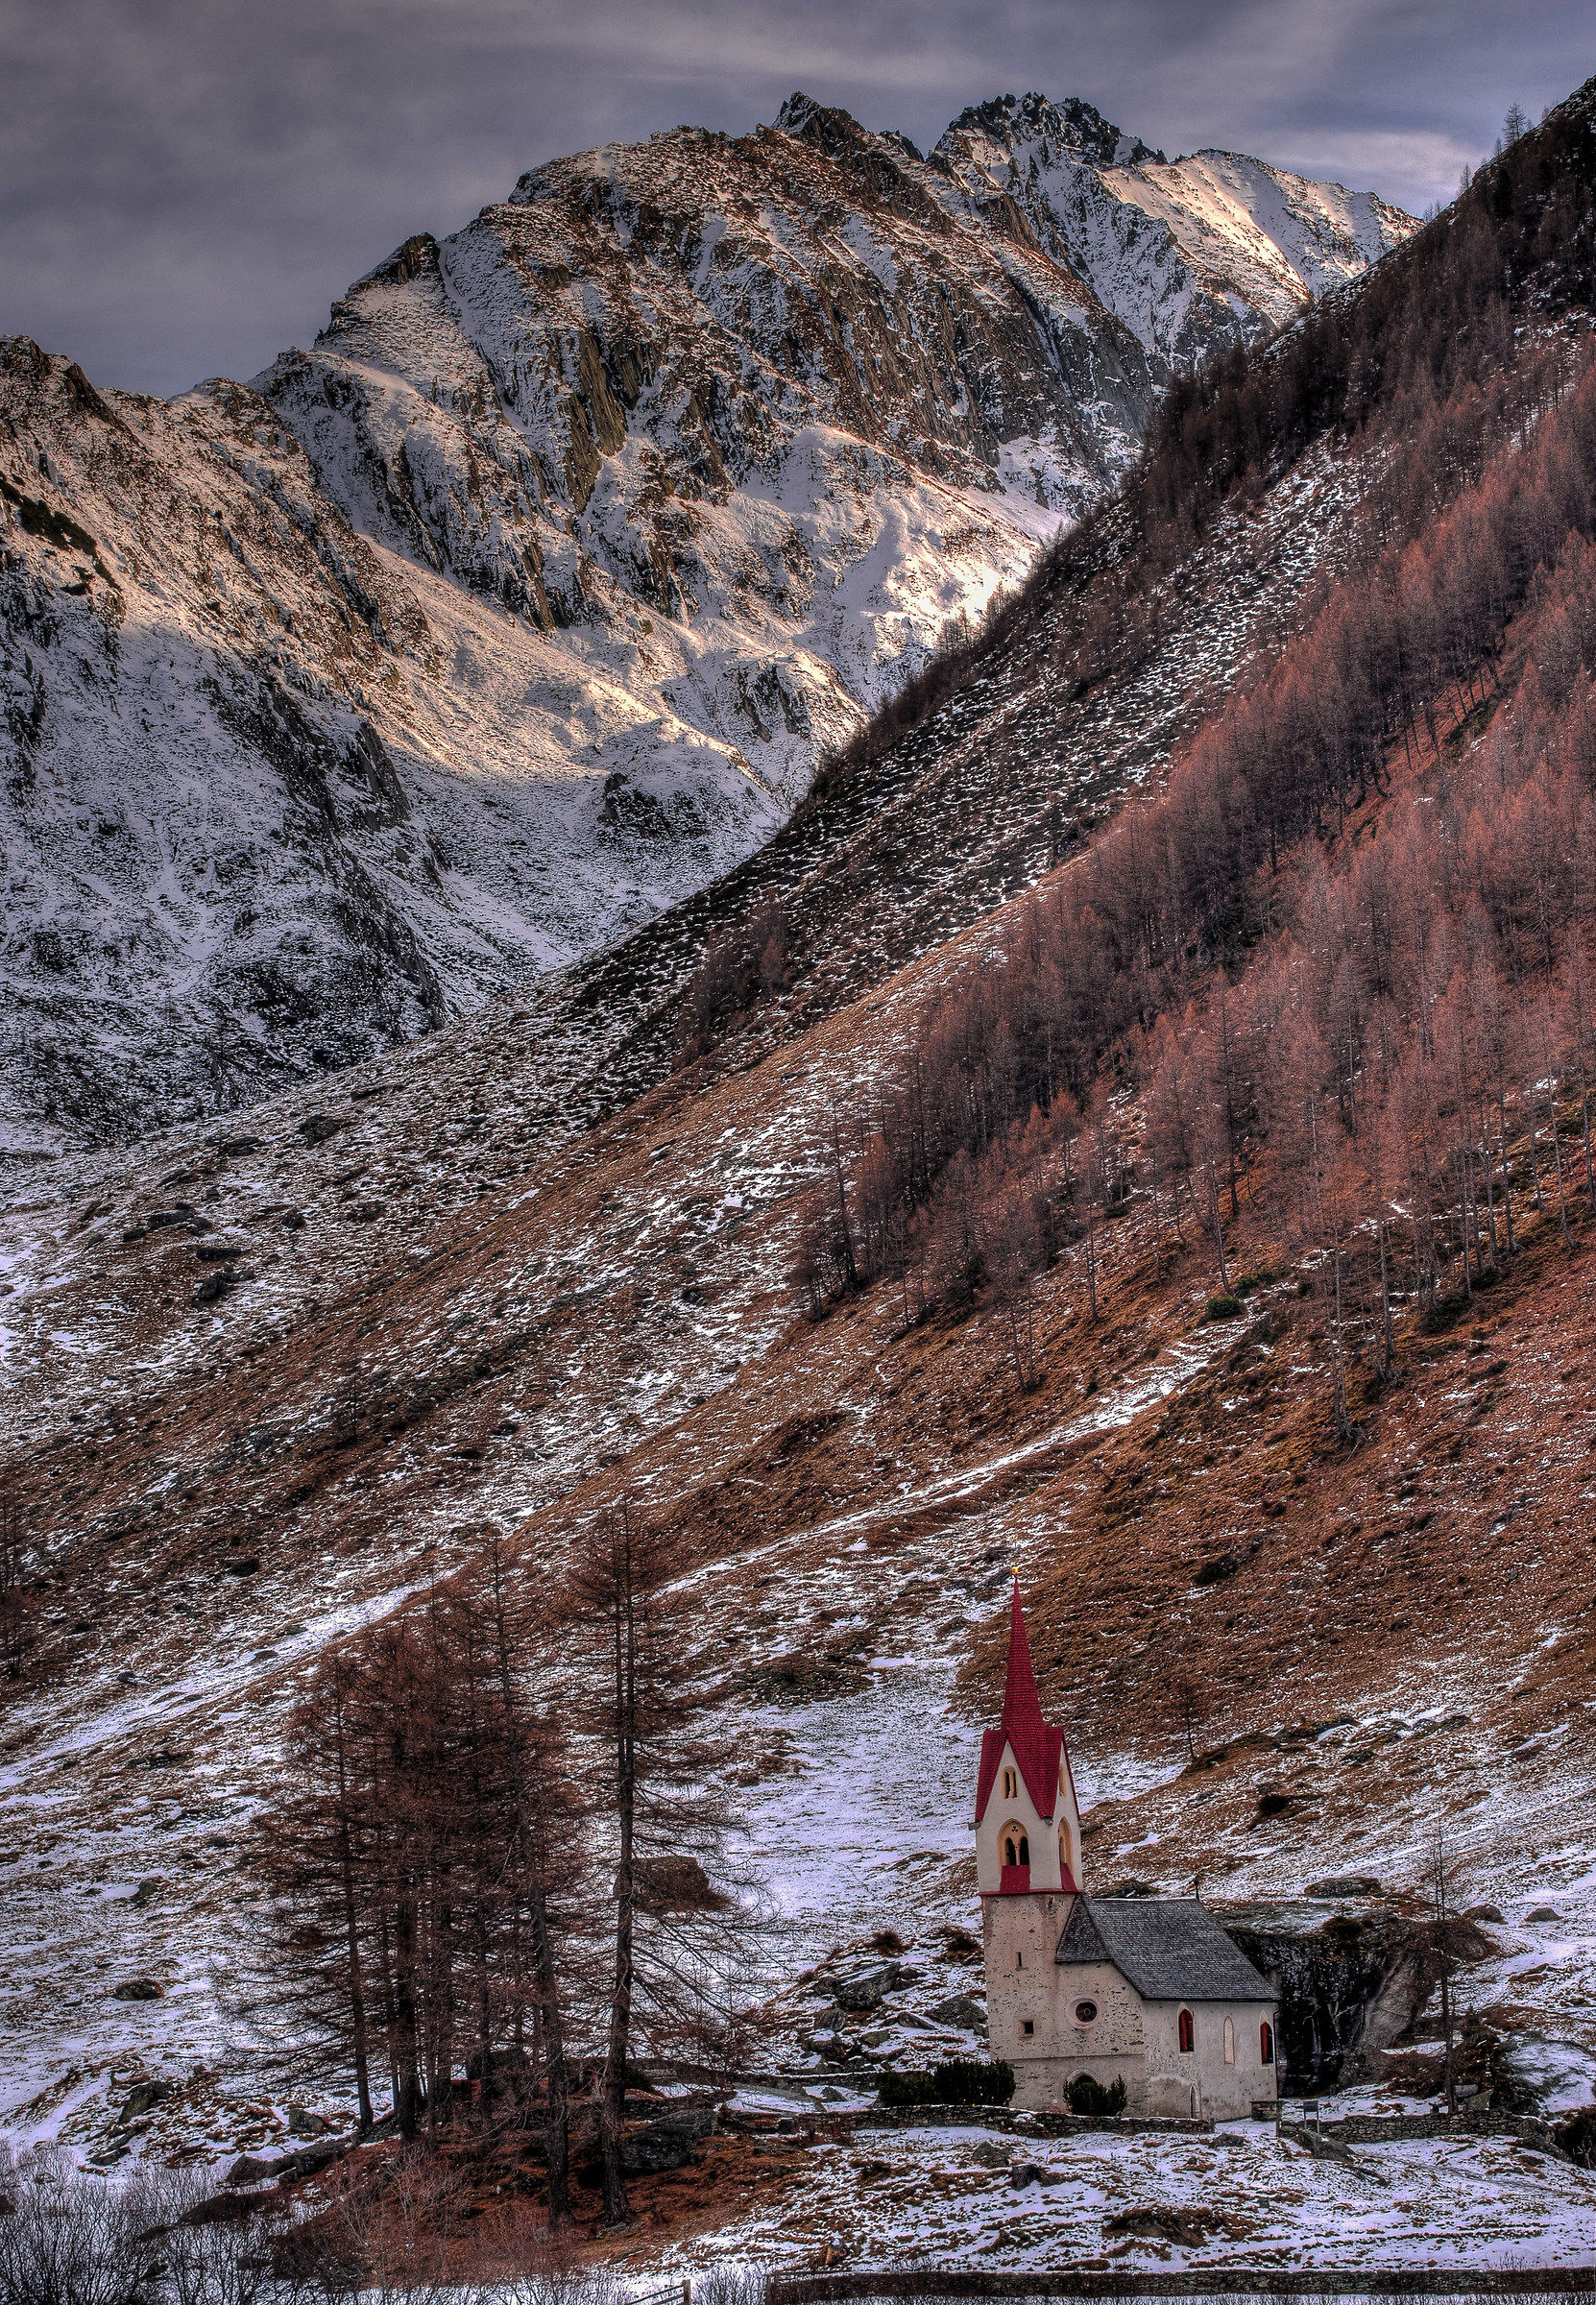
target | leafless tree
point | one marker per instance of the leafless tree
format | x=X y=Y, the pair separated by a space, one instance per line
x=656 y=1787
x=1440 y=1873
x=422 y=1865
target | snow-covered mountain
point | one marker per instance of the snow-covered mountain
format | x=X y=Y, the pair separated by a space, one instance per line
x=522 y=603
x=1188 y=253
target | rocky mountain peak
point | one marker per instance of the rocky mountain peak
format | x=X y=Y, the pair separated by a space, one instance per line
x=800 y=114
x=412 y=258
x=1072 y=128
x=829 y=130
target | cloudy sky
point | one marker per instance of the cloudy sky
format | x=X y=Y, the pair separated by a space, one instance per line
x=185 y=185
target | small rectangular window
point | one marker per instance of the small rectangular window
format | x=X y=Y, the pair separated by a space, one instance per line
x=1028 y=2026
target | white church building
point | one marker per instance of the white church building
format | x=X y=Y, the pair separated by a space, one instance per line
x=1145 y=1989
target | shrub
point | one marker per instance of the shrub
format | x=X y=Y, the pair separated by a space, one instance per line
x=908 y=2089
x=69 y=2240
x=1224 y=1308
x=965 y=2081
x=1084 y=2095
x=955 y=2082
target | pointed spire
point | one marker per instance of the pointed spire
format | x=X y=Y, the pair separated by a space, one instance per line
x=1039 y=1750
x=1021 y=1704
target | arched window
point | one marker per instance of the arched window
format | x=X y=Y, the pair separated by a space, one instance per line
x=1266 y=2043
x=1188 y=2034
x=1229 y=2042
x=1014 y=1844
x=1024 y=1850
x=1012 y=1785
x=1064 y=1865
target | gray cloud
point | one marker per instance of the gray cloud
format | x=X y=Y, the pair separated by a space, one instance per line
x=185 y=185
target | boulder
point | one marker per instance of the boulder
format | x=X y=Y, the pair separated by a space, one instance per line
x=1342 y=1884
x=311 y=2157
x=143 y=2097
x=250 y=2170
x=220 y=2209
x=666 y=2141
x=247 y=2169
x=958 y=2009
x=302 y=2122
x=866 y=1987
x=138 y=1988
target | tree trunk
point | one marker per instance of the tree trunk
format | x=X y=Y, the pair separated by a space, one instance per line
x=550 y=2022
x=356 y=1983
x=407 y=2082
x=613 y=2099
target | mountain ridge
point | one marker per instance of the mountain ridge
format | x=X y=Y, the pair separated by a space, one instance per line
x=586 y=551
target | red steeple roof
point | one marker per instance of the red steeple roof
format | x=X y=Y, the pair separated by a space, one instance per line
x=1038 y=1748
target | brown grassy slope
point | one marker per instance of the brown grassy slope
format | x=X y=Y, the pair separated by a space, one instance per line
x=1351 y=1562
x=916 y=1444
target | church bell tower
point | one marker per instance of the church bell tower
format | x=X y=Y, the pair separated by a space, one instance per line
x=1027 y=1852
x=1027 y=1822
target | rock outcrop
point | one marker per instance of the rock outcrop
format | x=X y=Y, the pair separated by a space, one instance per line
x=1351 y=1985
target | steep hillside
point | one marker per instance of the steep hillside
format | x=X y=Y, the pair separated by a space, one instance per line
x=523 y=604
x=225 y=1487
x=1208 y=1230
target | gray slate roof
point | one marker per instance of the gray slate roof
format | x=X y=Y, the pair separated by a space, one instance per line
x=1168 y=1948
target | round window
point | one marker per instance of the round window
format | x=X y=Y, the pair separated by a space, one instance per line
x=1085 y=2011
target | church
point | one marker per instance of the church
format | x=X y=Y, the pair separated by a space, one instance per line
x=1147 y=1990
